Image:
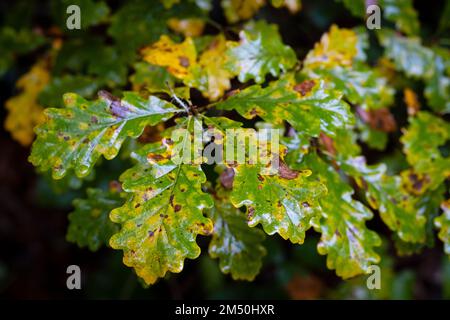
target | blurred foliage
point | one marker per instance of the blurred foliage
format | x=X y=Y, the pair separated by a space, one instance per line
x=364 y=176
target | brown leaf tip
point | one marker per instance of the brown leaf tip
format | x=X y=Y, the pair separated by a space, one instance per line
x=305 y=87
x=286 y=172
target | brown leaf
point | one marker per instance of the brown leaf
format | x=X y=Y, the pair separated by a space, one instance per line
x=305 y=287
x=115 y=186
x=226 y=178
x=411 y=101
x=379 y=119
x=151 y=134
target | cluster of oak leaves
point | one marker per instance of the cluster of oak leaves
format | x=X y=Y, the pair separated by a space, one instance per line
x=324 y=105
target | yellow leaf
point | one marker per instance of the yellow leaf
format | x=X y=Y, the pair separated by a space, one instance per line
x=177 y=57
x=411 y=100
x=337 y=47
x=209 y=75
x=24 y=111
x=236 y=10
x=293 y=6
x=187 y=27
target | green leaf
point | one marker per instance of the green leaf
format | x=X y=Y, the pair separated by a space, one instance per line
x=110 y=66
x=418 y=61
x=345 y=143
x=169 y=3
x=437 y=90
x=238 y=247
x=356 y=7
x=443 y=224
x=375 y=139
x=284 y=203
x=337 y=47
x=360 y=84
x=421 y=142
x=76 y=136
x=444 y=23
x=408 y=54
x=312 y=110
x=403 y=14
x=356 y=288
x=205 y=5
x=384 y=193
x=236 y=10
x=92 y=12
x=16 y=42
x=339 y=59
x=428 y=206
x=141 y=22
x=260 y=52
x=89 y=222
x=345 y=238
x=152 y=78
x=65 y=185
x=162 y=216
x=51 y=95
x=91 y=55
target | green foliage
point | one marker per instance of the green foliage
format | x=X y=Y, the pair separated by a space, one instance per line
x=351 y=150
x=400 y=12
x=89 y=223
x=16 y=42
x=345 y=238
x=421 y=142
x=313 y=109
x=384 y=193
x=443 y=223
x=239 y=249
x=94 y=12
x=260 y=52
x=418 y=61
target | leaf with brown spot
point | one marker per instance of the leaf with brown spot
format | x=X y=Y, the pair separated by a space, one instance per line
x=305 y=87
x=385 y=193
x=421 y=141
x=69 y=139
x=176 y=57
x=443 y=224
x=209 y=74
x=338 y=59
x=291 y=220
x=321 y=110
x=347 y=242
x=171 y=204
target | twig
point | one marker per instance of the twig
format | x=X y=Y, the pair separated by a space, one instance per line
x=178 y=100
